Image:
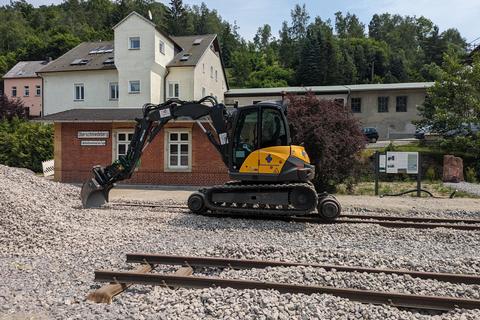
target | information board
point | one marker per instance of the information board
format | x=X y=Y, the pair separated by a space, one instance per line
x=402 y=162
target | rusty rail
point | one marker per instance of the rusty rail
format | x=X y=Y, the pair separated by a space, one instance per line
x=385 y=221
x=365 y=296
x=216 y=262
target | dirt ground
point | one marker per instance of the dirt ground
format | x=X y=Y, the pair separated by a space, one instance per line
x=391 y=204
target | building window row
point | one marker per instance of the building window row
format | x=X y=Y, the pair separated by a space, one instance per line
x=134 y=43
x=178 y=147
x=38 y=91
x=14 y=91
x=382 y=104
x=173 y=89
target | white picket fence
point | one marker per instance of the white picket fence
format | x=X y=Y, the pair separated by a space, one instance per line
x=48 y=168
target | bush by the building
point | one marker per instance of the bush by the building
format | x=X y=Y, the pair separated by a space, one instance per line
x=25 y=144
x=331 y=135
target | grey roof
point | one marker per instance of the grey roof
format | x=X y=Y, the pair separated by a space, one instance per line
x=328 y=89
x=25 y=69
x=98 y=115
x=195 y=51
x=82 y=51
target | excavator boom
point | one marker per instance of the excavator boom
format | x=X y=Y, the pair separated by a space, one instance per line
x=95 y=192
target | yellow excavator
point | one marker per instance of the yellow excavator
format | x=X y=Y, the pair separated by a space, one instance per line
x=270 y=176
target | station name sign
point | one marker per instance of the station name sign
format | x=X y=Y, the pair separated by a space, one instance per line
x=93 y=134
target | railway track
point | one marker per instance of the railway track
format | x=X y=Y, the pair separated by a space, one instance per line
x=386 y=221
x=184 y=278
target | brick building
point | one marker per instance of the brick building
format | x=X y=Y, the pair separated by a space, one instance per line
x=181 y=155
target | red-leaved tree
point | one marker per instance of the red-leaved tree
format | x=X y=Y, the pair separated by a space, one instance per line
x=331 y=135
x=10 y=108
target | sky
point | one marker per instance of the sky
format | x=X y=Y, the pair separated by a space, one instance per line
x=250 y=14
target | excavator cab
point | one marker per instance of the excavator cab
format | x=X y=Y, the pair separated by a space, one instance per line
x=271 y=176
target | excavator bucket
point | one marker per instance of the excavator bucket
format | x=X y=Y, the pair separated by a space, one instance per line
x=94 y=195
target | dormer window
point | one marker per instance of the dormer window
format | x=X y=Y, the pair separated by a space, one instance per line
x=134 y=43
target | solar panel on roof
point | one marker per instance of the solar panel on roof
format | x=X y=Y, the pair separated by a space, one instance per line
x=79 y=62
x=185 y=57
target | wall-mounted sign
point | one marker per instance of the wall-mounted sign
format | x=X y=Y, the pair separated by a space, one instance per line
x=402 y=162
x=95 y=143
x=93 y=134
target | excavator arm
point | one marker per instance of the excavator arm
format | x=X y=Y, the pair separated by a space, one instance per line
x=95 y=191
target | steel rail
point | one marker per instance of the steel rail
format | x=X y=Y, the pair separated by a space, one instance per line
x=412 y=219
x=365 y=296
x=217 y=262
x=406 y=224
x=385 y=221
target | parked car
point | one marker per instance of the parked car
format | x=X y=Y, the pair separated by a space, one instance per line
x=466 y=130
x=371 y=134
x=422 y=131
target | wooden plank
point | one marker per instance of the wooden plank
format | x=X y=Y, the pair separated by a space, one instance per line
x=106 y=293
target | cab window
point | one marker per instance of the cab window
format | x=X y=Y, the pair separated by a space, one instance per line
x=245 y=136
x=273 y=129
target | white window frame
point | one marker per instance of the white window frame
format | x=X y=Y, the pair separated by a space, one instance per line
x=177 y=168
x=14 y=91
x=161 y=46
x=168 y=89
x=80 y=85
x=26 y=91
x=110 y=91
x=130 y=87
x=38 y=90
x=117 y=142
x=130 y=39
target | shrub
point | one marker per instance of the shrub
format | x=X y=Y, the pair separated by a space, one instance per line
x=471 y=175
x=10 y=108
x=430 y=174
x=25 y=144
x=331 y=136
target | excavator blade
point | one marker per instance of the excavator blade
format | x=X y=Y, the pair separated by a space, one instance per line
x=94 y=195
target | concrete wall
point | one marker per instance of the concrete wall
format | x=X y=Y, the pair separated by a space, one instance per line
x=59 y=90
x=33 y=102
x=73 y=162
x=213 y=86
x=391 y=124
x=248 y=100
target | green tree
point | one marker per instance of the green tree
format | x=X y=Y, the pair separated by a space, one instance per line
x=348 y=26
x=454 y=100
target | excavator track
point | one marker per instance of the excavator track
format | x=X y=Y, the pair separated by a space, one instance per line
x=286 y=199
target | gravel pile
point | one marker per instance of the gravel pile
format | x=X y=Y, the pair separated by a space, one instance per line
x=49 y=248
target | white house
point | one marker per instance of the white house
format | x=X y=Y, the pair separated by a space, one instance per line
x=141 y=65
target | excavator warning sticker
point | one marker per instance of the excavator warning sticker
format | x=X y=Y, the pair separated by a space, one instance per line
x=165 y=113
x=223 y=138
